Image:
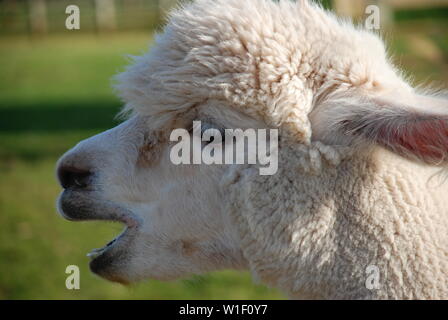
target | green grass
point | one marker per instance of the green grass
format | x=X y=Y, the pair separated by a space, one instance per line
x=65 y=67
x=55 y=92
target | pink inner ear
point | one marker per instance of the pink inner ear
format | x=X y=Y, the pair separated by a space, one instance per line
x=426 y=139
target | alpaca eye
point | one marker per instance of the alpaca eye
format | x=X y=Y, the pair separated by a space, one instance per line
x=209 y=133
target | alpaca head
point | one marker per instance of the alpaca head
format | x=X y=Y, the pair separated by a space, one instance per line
x=233 y=64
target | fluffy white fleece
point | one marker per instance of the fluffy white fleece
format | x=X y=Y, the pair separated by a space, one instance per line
x=268 y=59
x=314 y=235
x=314 y=227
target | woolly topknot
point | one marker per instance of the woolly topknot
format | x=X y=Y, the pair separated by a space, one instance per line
x=265 y=58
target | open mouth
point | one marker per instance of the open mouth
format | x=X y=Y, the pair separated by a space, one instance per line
x=78 y=205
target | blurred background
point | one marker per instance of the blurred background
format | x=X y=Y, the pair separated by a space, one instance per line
x=55 y=91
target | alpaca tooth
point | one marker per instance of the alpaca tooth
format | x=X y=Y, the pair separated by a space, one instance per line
x=95 y=252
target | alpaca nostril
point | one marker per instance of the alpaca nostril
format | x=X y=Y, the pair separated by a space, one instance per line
x=72 y=177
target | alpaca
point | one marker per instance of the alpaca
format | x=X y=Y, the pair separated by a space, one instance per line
x=356 y=209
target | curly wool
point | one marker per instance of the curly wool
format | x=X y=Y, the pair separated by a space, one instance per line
x=317 y=235
x=265 y=58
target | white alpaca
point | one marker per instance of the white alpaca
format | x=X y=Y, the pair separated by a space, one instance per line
x=356 y=194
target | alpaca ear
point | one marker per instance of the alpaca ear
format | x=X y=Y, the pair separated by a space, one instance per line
x=414 y=127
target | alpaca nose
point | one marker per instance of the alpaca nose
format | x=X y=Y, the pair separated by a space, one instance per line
x=73 y=177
